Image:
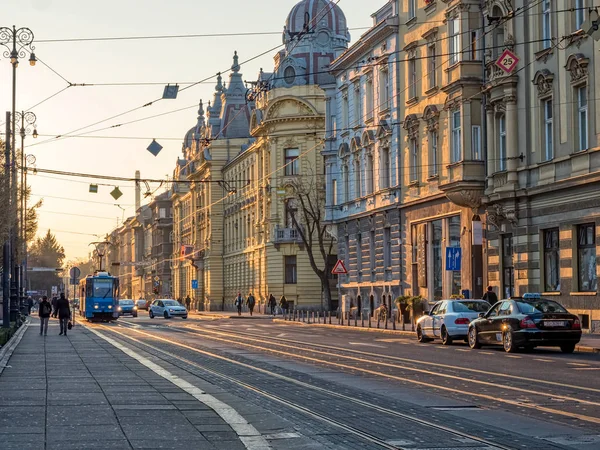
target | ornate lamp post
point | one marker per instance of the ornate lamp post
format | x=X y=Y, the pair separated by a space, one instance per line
x=18 y=44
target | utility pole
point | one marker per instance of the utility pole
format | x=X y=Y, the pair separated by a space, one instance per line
x=6 y=267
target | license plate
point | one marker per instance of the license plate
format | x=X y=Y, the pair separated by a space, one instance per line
x=554 y=323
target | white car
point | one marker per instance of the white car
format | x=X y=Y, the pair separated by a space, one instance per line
x=167 y=308
x=449 y=320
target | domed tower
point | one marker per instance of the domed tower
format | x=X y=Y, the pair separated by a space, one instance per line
x=315 y=34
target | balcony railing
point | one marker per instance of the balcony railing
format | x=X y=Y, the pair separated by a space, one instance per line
x=286 y=235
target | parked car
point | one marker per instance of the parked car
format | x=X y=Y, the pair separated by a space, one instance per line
x=127 y=307
x=142 y=304
x=527 y=322
x=449 y=320
x=167 y=308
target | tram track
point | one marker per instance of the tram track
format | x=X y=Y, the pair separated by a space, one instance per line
x=537 y=406
x=328 y=419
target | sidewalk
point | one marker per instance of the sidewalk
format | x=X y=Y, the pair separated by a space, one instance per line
x=80 y=392
x=590 y=343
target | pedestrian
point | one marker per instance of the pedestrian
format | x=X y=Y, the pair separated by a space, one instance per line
x=251 y=302
x=239 y=301
x=29 y=305
x=54 y=306
x=283 y=303
x=272 y=304
x=490 y=296
x=64 y=314
x=44 y=312
x=188 y=302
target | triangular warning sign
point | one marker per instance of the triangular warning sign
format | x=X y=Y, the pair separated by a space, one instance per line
x=339 y=268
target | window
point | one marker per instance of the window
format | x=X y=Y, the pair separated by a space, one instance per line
x=333 y=127
x=414 y=160
x=369 y=175
x=387 y=248
x=586 y=258
x=546 y=23
x=291 y=161
x=436 y=247
x=454 y=35
x=345 y=111
x=359 y=251
x=357 y=115
x=475 y=54
x=372 y=250
x=579 y=13
x=456 y=138
x=384 y=85
x=502 y=142
x=582 y=117
x=334 y=194
x=346 y=182
x=548 y=130
x=412 y=81
x=162 y=213
x=433 y=152
x=289 y=74
x=385 y=168
x=454 y=235
x=412 y=9
x=508 y=272
x=357 y=179
x=369 y=95
x=476 y=142
x=551 y=260
x=290 y=213
x=432 y=63
x=291 y=273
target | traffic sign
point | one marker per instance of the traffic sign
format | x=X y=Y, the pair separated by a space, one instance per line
x=453 y=258
x=507 y=61
x=194 y=284
x=75 y=272
x=157 y=278
x=339 y=268
x=74 y=281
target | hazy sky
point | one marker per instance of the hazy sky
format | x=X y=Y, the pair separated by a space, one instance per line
x=174 y=60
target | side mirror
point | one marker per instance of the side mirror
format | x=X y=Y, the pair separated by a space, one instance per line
x=426 y=313
x=481 y=315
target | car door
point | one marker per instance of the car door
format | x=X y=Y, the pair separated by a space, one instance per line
x=427 y=321
x=500 y=321
x=437 y=319
x=485 y=327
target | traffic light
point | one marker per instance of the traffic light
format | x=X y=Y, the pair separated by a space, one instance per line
x=155 y=290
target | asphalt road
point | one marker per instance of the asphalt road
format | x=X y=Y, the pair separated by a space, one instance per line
x=311 y=387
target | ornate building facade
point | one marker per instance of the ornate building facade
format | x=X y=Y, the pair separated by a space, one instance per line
x=543 y=157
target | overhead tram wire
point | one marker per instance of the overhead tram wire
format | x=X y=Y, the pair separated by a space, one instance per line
x=43 y=196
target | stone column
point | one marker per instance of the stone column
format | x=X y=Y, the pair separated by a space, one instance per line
x=491 y=148
x=512 y=138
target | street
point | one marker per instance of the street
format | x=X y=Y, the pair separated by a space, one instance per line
x=321 y=388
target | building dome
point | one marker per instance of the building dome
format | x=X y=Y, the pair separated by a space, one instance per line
x=314 y=15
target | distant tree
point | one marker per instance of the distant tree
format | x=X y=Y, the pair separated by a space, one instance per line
x=45 y=252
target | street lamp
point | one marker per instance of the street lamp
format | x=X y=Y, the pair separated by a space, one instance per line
x=28 y=127
x=18 y=42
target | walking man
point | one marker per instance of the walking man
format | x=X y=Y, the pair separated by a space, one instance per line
x=44 y=312
x=251 y=302
x=54 y=306
x=239 y=301
x=272 y=304
x=64 y=313
x=284 y=304
x=188 y=302
x=490 y=296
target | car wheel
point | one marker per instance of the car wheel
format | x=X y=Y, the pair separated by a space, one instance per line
x=567 y=348
x=184 y=317
x=508 y=342
x=473 y=338
x=166 y=315
x=446 y=339
x=151 y=314
x=134 y=315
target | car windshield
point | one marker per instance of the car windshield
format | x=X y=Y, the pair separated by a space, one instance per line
x=540 y=306
x=466 y=307
x=125 y=302
x=170 y=303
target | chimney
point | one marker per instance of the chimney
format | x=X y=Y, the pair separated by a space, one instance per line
x=137 y=190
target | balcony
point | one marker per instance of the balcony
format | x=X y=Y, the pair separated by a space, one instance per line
x=465 y=184
x=285 y=236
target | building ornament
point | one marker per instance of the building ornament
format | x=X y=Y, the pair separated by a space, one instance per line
x=411 y=125
x=543 y=80
x=430 y=35
x=452 y=103
x=454 y=11
x=431 y=116
x=577 y=65
x=497 y=213
x=510 y=42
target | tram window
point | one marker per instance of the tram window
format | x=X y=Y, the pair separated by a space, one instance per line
x=90 y=292
x=103 y=288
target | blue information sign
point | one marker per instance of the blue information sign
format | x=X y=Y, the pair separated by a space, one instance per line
x=194 y=284
x=453 y=258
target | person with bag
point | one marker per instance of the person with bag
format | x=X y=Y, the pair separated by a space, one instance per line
x=272 y=304
x=283 y=303
x=44 y=312
x=64 y=314
x=251 y=301
x=239 y=301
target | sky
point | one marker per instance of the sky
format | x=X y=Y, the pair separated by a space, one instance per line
x=76 y=216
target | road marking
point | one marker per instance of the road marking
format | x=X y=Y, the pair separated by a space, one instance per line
x=578 y=364
x=364 y=344
x=586 y=368
x=513 y=356
x=543 y=360
x=402 y=341
x=487 y=353
x=250 y=436
x=281 y=335
x=462 y=349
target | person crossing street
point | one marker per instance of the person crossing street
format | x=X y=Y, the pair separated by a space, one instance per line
x=272 y=304
x=251 y=301
x=239 y=301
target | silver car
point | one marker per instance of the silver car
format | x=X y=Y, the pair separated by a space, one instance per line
x=167 y=308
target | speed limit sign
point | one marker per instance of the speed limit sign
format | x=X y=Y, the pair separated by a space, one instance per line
x=507 y=61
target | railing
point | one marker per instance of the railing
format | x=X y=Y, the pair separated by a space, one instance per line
x=500 y=179
x=286 y=235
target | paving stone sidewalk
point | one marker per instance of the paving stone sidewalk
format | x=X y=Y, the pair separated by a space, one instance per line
x=77 y=393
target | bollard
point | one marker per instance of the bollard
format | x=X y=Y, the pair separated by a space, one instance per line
x=356 y=319
x=386 y=321
x=378 y=318
x=329 y=315
x=369 y=320
x=362 y=320
x=348 y=319
x=341 y=319
x=394 y=321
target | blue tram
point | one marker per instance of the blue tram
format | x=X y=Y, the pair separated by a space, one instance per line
x=99 y=297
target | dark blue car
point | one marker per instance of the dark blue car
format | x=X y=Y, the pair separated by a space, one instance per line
x=127 y=307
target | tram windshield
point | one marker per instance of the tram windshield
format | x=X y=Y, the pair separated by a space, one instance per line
x=103 y=288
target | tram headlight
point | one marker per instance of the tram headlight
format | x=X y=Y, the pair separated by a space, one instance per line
x=96 y=306
x=109 y=306
x=119 y=308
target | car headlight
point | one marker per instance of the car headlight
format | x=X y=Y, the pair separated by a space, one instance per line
x=120 y=309
x=135 y=308
x=96 y=306
x=171 y=310
x=109 y=306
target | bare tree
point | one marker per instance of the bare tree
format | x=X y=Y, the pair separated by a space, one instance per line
x=308 y=217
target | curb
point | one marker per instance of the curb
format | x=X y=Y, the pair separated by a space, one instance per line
x=11 y=345
x=578 y=348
